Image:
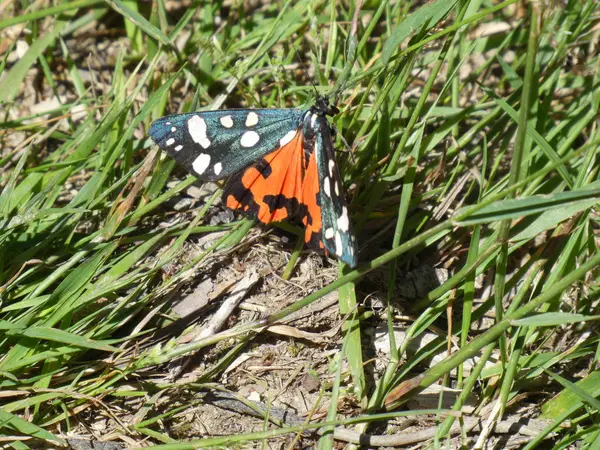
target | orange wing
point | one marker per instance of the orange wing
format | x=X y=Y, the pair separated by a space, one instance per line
x=280 y=186
x=270 y=190
x=310 y=198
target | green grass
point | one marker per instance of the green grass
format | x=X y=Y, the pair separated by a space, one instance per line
x=469 y=150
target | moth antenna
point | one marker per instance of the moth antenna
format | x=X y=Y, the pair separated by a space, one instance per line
x=317 y=95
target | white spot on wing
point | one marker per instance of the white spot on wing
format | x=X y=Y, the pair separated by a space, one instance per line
x=197 y=129
x=173 y=129
x=170 y=141
x=337 y=188
x=249 y=139
x=331 y=167
x=326 y=187
x=312 y=121
x=218 y=167
x=179 y=147
x=329 y=233
x=338 y=244
x=252 y=119
x=343 y=222
x=201 y=163
x=226 y=121
x=287 y=138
